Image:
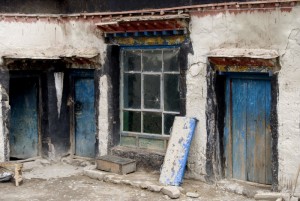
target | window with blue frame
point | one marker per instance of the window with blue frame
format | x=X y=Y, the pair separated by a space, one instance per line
x=150 y=96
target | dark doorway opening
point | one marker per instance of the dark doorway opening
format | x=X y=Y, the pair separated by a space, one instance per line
x=24 y=128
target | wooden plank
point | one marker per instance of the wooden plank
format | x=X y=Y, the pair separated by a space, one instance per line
x=268 y=134
x=256 y=125
x=177 y=153
x=227 y=132
x=239 y=112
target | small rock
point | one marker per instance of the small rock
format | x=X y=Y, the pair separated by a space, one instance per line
x=271 y=196
x=154 y=188
x=115 y=181
x=143 y=195
x=192 y=195
x=294 y=199
x=145 y=185
x=126 y=182
x=108 y=178
x=172 y=191
x=279 y=199
x=90 y=167
x=67 y=160
x=167 y=197
x=181 y=189
x=94 y=174
x=85 y=163
x=44 y=162
x=135 y=184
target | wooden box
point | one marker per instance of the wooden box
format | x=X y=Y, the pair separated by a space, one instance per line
x=116 y=164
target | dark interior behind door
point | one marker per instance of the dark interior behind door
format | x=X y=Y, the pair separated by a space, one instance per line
x=23 y=134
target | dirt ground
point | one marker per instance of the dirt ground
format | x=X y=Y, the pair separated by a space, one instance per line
x=44 y=181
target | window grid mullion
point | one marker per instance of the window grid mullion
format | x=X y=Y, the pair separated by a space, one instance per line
x=153 y=73
x=162 y=101
x=142 y=93
x=122 y=92
x=142 y=108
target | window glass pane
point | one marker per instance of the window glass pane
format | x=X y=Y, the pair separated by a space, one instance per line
x=152 y=91
x=171 y=93
x=143 y=68
x=168 y=119
x=132 y=90
x=151 y=143
x=128 y=141
x=132 y=60
x=132 y=121
x=152 y=122
x=171 y=61
x=152 y=60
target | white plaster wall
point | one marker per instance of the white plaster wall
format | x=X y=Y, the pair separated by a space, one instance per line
x=30 y=36
x=103 y=121
x=85 y=35
x=274 y=30
x=43 y=36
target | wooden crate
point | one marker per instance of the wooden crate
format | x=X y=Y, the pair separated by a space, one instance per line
x=116 y=164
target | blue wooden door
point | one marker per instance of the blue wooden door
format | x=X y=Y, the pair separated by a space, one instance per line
x=23 y=133
x=85 y=125
x=247 y=139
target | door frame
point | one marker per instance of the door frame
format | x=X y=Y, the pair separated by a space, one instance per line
x=74 y=74
x=228 y=113
x=15 y=74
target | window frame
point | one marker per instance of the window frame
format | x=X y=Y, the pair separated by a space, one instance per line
x=162 y=136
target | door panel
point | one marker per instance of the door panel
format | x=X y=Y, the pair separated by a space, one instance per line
x=249 y=127
x=85 y=125
x=239 y=111
x=256 y=130
x=24 y=118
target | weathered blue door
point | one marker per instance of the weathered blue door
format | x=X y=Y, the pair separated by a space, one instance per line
x=247 y=138
x=85 y=125
x=23 y=133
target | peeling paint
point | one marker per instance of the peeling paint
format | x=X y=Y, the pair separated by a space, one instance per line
x=177 y=153
x=59 y=85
